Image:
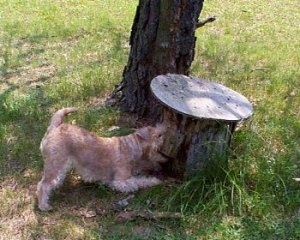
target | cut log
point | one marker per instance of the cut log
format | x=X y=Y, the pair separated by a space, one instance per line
x=201 y=117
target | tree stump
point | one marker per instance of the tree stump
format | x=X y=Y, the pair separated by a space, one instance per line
x=201 y=117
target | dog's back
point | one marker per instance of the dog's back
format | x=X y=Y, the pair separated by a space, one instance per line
x=56 y=121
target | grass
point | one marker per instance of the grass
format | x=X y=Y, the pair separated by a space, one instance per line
x=72 y=53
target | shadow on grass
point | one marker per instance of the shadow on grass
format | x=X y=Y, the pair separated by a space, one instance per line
x=93 y=212
x=21 y=130
x=22 y=116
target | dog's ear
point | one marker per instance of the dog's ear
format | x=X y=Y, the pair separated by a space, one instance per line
x=144 y=133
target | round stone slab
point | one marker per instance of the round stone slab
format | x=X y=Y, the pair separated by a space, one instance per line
x=199 y=98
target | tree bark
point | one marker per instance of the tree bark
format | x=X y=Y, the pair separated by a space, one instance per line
x=196 y=145
x=162 y=41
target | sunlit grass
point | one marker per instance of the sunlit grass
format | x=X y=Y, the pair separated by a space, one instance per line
x=72 y=53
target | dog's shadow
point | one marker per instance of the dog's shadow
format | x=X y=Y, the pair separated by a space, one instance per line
x=95 y=206
x=75 y=194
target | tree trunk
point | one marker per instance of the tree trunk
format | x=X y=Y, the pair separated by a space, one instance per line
x=162 y=41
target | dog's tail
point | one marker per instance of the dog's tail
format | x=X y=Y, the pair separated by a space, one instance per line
x=57 y=118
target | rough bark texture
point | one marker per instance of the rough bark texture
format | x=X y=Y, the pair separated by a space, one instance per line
x=162 y=41
x=195 y=145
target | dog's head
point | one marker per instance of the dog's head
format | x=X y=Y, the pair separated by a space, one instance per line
x=152 y=138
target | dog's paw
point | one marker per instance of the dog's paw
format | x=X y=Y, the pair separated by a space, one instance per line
x=45 y=207
x=125 y=186
x=151 y=181
x=145 y=182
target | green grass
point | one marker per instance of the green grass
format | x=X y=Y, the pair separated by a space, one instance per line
x=72 y=53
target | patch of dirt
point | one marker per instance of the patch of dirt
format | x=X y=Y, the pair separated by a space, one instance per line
x=28 y=76
x=16 y=209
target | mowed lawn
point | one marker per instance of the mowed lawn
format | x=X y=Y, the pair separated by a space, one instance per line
x=72 y=53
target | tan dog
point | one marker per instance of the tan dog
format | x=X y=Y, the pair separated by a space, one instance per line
x=117 y=161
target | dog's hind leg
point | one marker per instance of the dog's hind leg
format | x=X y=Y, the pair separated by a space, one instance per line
x=52 y=178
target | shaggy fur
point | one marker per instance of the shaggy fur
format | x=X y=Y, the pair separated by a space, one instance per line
x=118 y=162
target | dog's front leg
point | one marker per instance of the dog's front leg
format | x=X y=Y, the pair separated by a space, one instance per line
x=145 y=182
x=134 y=183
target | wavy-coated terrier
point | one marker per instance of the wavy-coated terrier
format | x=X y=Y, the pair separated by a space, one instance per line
x=119 y=162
